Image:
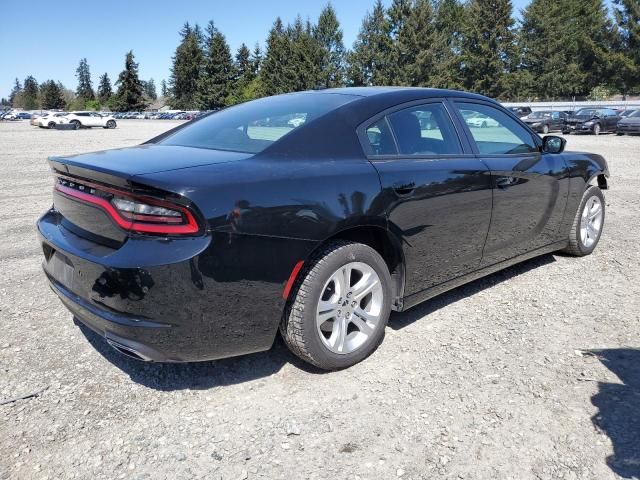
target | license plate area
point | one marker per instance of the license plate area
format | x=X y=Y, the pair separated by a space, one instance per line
x=61 y=269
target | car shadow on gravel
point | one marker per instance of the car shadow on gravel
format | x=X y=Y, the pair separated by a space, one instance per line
x=619 y=409
x=404 y=319
x=199 y=375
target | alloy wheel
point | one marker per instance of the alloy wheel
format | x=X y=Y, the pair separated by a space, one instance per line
x=350 y=308
x=591 y=221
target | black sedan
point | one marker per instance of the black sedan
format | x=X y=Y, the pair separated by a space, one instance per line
x=203 y=242
x=546 y=121
x=592 y=120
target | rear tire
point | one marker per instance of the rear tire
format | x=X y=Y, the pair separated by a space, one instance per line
x=545 y=129
x=588 y=223
x=111 y=124
x=330 y=321
x=76 y=124
x=52 y=125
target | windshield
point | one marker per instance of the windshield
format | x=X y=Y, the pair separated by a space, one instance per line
x=253 y=126
x=587 y=112
x=539 y=114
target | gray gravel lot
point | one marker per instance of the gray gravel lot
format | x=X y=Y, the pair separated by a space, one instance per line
x=531 y=373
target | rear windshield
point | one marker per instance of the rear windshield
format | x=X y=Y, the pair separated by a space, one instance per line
x=253 y=126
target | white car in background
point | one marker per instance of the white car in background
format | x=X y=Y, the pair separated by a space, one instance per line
x=51 y=119
x=90 y=119
x=480 y=121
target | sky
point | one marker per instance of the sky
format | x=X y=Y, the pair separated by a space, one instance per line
x=50 y=42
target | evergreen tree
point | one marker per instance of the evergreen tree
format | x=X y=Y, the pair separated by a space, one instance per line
x=305 y=54
x=243 y=67
x=150 y=89
x=275 y=72
x=17 y=88
x=185 y=72
x=371 y=61
x=129 y=96
x=85 y=88
x=164 y=90
x=449 y=19
x=332 y=56
x=487 y=46
x=104 y=88
x=51 y=97
x=627 y=15
x=216 y=77
x=401 y=52
x=256 y=59
x=30 y=93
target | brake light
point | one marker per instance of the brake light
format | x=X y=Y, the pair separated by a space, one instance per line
x=134 y=213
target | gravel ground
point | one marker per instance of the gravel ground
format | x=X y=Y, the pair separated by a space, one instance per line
x=531 y=373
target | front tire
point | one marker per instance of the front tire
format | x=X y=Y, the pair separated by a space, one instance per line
x=340 y=307
x=111 y=124
x=76 y=124
x=587 y=224
x=597 y=129
x=545 y=129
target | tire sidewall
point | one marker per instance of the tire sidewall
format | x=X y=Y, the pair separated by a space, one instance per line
x=591 y=192
x=328 y=266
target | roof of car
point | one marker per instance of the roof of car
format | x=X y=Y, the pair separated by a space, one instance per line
x=399 y=92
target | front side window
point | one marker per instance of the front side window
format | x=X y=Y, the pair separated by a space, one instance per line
x=495 y=132
x=425 y=130
x=253 y=126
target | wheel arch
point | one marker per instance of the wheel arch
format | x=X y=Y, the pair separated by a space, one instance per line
x=386 y=244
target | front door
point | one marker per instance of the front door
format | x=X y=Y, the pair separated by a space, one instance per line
x=437 y=194
x=530 y=188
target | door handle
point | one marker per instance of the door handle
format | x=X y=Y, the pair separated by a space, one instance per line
x=404 y=189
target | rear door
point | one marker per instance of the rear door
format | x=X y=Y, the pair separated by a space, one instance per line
x=530 y=188
x=435 y=192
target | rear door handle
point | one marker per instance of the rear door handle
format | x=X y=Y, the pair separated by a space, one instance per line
x=404 y=189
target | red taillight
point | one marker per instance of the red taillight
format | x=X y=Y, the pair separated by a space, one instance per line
x=133 y=213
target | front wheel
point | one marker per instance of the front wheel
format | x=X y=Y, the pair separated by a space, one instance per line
x=76 y=124
x=587 y=224
x=596 y=129
x=545 y=129
x=111 y=124
x=341 y=306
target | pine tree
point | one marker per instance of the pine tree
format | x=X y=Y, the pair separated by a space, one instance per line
x=256 y=59
x=449 y=20
x=401 y=51
x=85 y=88
x=30 y=93
x=371 y=60
x=487 y=46
x=17 y=88
x=216 y=77
x=104 y=88
x=275 y=73
x=304 y=60
x=627 y=15
x=328 y=35
x=185 y=72
x=129 y=96
x=164 y=90
x=150 y=89
x=243 y=67
x=51 y=97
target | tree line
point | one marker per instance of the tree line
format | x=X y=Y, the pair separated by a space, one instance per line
x=130 y=93
x=555 y=50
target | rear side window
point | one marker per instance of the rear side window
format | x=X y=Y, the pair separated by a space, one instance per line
x=253 y=126
x=425 y=130
x=380 y=138
x=495 y=132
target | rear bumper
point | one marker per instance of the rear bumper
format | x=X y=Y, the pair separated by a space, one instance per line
x=628 y=129
x=169 y=300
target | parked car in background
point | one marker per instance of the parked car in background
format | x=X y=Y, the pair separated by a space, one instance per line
x=521 y=111
x=545 y=121
x=23 y=116
x=592 y=120
x=90 y=119
x=35 y=117
x=478 y=120
x=52 y=119
x=629 y=125
x=207 y=240
x=627 y=113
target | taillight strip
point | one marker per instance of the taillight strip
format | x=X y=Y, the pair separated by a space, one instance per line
x=189 y=228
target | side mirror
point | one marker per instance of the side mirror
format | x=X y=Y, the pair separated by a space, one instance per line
x=553 y=144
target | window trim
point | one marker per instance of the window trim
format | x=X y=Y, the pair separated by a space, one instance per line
x=534 y=136
x=361 y=131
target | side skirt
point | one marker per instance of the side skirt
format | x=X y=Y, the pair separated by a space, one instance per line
x=416 y=298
